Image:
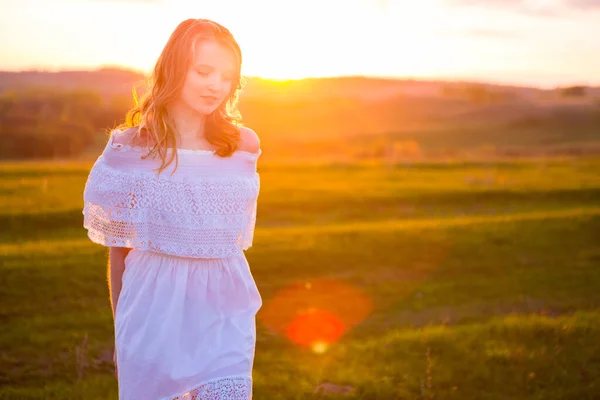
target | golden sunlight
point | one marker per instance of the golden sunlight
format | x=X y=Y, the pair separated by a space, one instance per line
x=360 y=43
x=396 y=39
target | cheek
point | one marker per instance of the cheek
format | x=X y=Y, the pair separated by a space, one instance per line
x=226 y=89
x=194 y=82
x=188 y=87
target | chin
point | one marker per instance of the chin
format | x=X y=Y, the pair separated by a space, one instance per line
x=205 y=110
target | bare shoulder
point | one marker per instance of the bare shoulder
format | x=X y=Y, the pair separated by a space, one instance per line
x=249 y=140
x=125 y=137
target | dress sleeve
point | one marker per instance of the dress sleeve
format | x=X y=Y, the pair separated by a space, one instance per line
x=107 y=209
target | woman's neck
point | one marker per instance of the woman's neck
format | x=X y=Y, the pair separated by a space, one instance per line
x=189 y=125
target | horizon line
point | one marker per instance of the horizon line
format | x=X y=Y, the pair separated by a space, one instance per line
x=431 y=79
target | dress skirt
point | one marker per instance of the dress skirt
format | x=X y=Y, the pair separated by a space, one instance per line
x=185 y=328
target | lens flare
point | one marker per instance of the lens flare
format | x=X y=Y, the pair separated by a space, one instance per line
x=320 y=347
x=315 y=314
x=315 y=327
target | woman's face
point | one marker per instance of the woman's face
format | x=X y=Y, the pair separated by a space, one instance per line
x=209 y=78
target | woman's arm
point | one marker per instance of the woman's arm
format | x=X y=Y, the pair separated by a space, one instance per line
x=116 y=267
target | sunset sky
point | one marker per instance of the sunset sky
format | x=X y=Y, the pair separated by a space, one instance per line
x=531 y=42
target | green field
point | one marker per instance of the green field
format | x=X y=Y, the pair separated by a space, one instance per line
x=482 y=281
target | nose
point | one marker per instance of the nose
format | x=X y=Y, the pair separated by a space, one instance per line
x=215 y=81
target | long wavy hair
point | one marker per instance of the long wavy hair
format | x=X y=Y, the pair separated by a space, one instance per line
x=155 y=128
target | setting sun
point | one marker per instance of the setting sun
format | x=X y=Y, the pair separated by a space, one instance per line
x=366 y=40
x=291 y=40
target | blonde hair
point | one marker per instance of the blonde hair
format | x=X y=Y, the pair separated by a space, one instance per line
x=149 y=113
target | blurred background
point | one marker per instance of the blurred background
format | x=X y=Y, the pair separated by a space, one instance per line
x=429 y=213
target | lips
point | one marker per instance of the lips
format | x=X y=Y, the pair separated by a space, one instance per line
x=210 y=98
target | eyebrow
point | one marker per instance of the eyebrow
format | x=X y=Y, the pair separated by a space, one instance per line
x=211 y=67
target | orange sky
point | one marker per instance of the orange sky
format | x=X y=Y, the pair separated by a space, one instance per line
x=536 y=42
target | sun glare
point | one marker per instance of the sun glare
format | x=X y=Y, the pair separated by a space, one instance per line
x=311 y=315
x=385 y=39
x=368 y=40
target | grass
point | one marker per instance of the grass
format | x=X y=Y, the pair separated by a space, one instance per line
x=451 y=281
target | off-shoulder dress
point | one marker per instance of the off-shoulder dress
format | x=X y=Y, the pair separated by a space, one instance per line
x=185 y=318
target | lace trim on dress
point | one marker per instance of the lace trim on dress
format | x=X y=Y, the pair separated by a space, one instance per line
x=230 y=388
x=139 y=149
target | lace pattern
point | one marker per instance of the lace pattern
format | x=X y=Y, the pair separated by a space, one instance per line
x=206 y=209
x=232 y=388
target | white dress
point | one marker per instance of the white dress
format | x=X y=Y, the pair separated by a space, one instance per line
x=185 y=325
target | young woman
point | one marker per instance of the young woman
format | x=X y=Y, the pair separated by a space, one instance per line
x=174 y=197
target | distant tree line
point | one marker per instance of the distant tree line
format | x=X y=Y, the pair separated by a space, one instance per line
x=477 y=93
x=48 y=123
x=480 y=94
x=573 y=91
